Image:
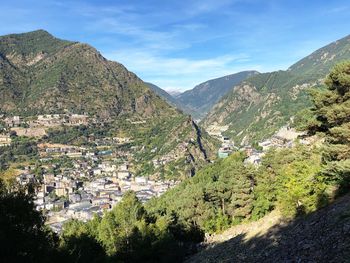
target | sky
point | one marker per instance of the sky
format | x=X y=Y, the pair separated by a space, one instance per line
x=179 y=44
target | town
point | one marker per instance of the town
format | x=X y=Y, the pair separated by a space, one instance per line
x=285 y=137
x=79 y=182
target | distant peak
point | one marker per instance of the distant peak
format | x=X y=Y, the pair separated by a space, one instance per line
x=40 y=31
x=33 y=42
x=35 y=33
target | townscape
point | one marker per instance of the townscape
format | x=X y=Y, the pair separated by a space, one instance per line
x=285 y=137
x=78 y=182
x=241 y=154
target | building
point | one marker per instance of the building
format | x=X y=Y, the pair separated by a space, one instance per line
x=5 y=140
x=77 y=119
x=141 y=180
x=123 y=175
x=60 y=191
x=13 y=121
x=121 y=140
x=49 y=119
x=75 y=154
x=253 y=159
x=74 y=198
x=224 y=152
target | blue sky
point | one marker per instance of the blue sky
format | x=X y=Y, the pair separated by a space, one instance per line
x=178 y=44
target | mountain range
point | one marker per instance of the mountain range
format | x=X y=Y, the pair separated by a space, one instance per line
x=171 y=99
x=41 y=74
x=258 y=106
x=204 y=96
x=287 y=190
x=251 y=105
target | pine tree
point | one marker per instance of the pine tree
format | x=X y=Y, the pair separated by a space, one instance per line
x=332 y=112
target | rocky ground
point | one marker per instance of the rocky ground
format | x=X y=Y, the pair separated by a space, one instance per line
x=323 y=236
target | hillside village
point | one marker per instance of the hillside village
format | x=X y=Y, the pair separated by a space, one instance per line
x=96 y=165
x=78 y=182
x=90 y=187
x=285 y=137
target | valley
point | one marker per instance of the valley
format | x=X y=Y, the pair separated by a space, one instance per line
x=107 y=167
x=263 y=103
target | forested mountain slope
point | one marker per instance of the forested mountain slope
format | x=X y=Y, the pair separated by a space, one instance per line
x=40 y=74
x=199 y=100
x=168 y=98
x=260 y=105
x=43 y=74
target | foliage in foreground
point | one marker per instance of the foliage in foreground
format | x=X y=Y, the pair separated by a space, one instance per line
x=23 y=236
x=219 y=195
x=128 y=233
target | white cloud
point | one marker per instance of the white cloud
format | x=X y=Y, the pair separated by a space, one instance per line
x=168 y=73
x=139 y=35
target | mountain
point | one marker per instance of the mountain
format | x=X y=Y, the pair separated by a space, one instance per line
x=167 y=97
x=261 y=104
x=40 y=74
x=174 y=93
x=202 y=97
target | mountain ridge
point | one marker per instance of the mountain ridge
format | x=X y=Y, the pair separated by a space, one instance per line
x=168 y=97
x=51 y=70
x=40 y=74
x=263 y=103
x=203 y=96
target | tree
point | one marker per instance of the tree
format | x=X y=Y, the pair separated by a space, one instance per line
x=23 y=235
x=289 y=179
x=301 y=190
x=332 y=112
x=127 y=234
x=78 y=242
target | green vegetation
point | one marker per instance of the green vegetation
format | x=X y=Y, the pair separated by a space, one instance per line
x=151 y=140
x=332 y=117
x=164 y=138
x=296 y=181
x=126 y=234
x=23 y=236
x=129 y=234
x=43 y=74
x=77 y=135
x=47 y=75
x=289 y=180
x=229 y=191
x=218 y=196
x=199 y=100
x=31 y=43
x=21 y=149
x=258 y=107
